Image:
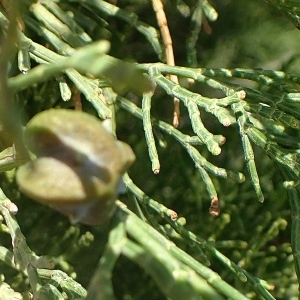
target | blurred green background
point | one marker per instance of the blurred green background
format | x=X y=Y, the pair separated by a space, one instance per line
x=247 y=34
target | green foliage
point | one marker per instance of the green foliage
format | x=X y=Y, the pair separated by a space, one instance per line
x=192 y=224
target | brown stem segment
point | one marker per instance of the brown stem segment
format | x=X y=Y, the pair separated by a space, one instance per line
x=167 y=40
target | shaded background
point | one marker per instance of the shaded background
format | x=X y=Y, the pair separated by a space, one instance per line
x=247 y=34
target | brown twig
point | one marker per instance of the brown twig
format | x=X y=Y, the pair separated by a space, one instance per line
x=167 y=40
x=76 y=99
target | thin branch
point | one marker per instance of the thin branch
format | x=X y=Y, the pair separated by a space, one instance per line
x=166 y=36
